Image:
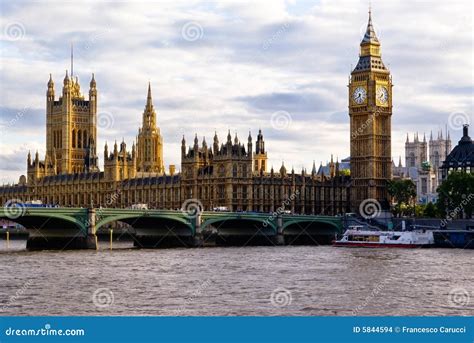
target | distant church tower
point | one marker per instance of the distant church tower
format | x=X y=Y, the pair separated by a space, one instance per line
x=149 y=141
x=415 y=152
x=71 y=132
x=370 y=111
x=439 y=150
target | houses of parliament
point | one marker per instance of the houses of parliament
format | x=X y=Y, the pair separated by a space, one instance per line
x=229 y=173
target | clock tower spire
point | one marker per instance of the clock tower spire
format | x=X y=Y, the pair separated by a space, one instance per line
x=370 y=112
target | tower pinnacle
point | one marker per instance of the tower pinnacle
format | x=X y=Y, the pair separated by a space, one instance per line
x=149 y=100
x=370 y=36
x=72 y=60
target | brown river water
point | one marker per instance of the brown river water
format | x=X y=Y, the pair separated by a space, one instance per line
x=249 y=281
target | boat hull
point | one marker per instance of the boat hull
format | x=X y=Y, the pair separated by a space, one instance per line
x=377 y=245
x=463 y=239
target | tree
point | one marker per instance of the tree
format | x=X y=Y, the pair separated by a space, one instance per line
x=403 y=192
x=419 y=210
x=345 y=172
x=456 y=195
x=430 y=210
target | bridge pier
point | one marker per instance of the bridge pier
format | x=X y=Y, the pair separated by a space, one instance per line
x=60 y=243
x=279 y=238
x=54 y=237
x=91 y=230
x=198 y=238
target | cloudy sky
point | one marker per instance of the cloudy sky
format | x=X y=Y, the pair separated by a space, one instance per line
x=281 y=66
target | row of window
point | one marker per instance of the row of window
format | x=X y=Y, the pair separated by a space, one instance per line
x=79 y=139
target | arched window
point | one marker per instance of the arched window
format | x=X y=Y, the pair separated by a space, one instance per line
x=73 y=138
x=84 y=139
x=412 y=160
x=79 y=139
x=221 y=170
x=234 y=170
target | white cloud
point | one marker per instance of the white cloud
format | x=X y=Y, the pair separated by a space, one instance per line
x=250 y=58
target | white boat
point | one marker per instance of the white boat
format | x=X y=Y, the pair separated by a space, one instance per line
x=360 y=237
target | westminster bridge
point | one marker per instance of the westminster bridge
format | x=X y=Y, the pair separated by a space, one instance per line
x=77 y=228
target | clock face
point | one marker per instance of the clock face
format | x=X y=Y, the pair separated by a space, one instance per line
x=359 y=95
x=382 y=95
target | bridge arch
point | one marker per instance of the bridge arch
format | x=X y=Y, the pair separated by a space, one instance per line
x=231 y=229
x=145 y=220
x=262 y=224
x=38 y=219
x=310 y=231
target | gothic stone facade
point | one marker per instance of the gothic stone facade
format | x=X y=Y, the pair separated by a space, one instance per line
x=222 y=176
x=370 y=112
x=231 y=175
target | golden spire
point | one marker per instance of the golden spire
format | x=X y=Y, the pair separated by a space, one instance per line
x=370 y=36
x=72 y=61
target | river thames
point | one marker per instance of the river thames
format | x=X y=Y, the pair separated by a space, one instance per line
x=249 y=281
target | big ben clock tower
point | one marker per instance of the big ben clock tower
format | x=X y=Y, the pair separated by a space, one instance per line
x=370 y=111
